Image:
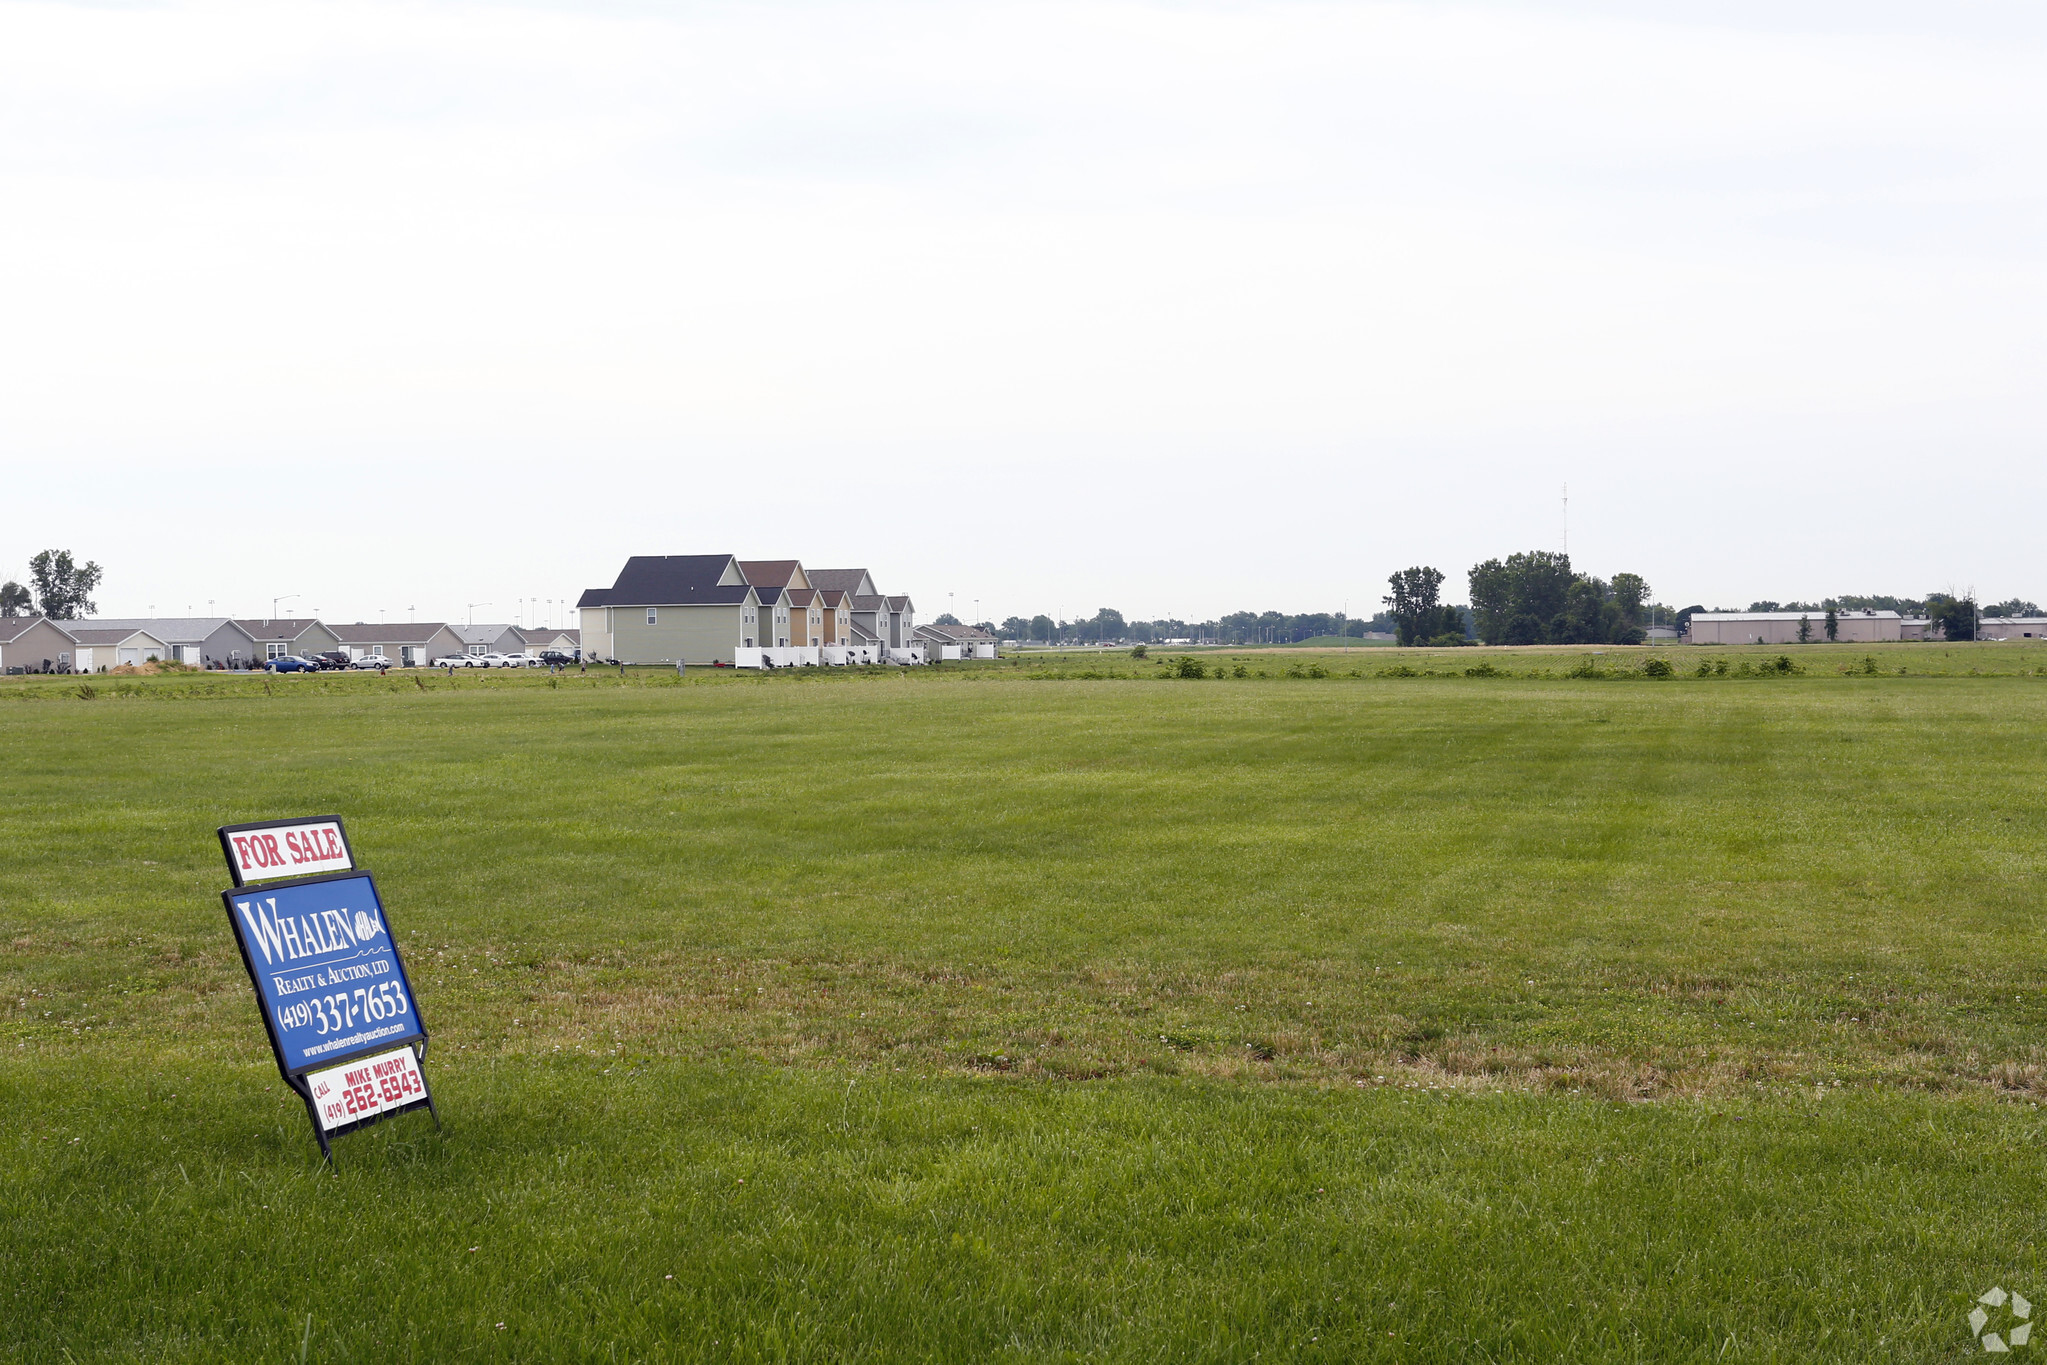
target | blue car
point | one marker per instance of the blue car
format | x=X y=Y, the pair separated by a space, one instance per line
x=292 y=663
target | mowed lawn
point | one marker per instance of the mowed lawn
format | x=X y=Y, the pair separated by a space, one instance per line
x=977 y=1016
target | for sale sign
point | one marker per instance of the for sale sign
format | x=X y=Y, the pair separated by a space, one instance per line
x=285 y=848
x=343 y=1022
x=366 y=1089
x=325 y=968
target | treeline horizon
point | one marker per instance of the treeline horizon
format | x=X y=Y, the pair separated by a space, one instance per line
x=1530 y=598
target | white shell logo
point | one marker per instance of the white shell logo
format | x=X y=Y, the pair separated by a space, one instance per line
x=365 y=927
x=2010 y=1327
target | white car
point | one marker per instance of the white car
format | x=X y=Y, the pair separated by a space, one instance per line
x=525 y=658
x=495 y=660
x=457 y=661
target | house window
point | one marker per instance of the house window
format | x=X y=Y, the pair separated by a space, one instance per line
x=653 y=616
x=273 y=650
x=377 y=650
x=476 y=649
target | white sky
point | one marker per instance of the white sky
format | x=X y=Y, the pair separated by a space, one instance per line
x=1175 y=308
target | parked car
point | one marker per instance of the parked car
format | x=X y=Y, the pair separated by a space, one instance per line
x=374 y=661
x=455 y=661
x=331 y=658
x=557 y=659
x=525 y=658
x=291 y=663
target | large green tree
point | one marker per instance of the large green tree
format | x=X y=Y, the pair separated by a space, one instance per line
x=14 y=599
x=1415 y=604
x=1494 y=593
x=63 y=587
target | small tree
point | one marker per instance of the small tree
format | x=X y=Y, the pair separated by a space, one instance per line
x=14 y=599
x=63 y=588
x=1805 y=630
x=1833 y=625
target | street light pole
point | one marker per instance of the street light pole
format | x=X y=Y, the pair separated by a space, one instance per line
x=275 y=600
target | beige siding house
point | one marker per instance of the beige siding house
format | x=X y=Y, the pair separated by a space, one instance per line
x=102 y=648
x=35 y=644
x=669 y=609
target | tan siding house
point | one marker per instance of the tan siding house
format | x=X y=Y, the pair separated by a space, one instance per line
x=35 y=644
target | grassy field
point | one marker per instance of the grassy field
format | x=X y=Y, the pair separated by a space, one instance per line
x=1001 y=1011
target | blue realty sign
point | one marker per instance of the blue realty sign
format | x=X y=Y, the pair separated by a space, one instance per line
x=325 y=969
x=343 y=1022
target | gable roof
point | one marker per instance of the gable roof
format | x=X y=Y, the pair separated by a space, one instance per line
x=110 y=635
x=669 y=581
x=768 y=596
x=287 y=628
x=485 y=633
x=898 y=604
x=774 y=573
x=410 y=633
x=802 y=597
x=12 y=628
x=172 y=630
x=849 y=581
x=834 y=597
x=870 y=604
x=537 y=634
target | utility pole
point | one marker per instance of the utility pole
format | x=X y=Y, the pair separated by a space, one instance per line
x=275 y=600
x=1567 y=520
x=472 y=610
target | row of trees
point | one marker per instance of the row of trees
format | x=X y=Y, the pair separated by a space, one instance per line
x=1530 y=598
x=63 y=588
x=1108 y=626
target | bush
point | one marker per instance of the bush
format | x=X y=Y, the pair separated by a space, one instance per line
x=1705 y=668
x=1484 y=670
x=1138 y=652
x=1187 y=666
x=1586 y=667
x=1657 y=668
x=1398 y=671
x=1317 y=671
x=1240 y=672
x=1720 y=667
x=1448 y=641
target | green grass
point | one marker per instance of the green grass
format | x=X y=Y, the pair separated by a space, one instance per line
x=1517 y=1017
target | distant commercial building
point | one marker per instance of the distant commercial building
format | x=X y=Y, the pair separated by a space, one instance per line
x=1785 y=627
x=2012 y=628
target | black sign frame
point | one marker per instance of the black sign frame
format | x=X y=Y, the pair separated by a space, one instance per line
x=297 y=1080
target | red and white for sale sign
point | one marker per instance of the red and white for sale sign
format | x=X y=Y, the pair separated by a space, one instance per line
x=289 y=850
x=363 y=1089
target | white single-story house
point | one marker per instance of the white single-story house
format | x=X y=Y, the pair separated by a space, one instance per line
x=203 y=641
x=101 y=648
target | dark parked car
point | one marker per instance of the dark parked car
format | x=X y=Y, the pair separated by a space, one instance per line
x=331 y=658
x=291 y=663
x=555 y=658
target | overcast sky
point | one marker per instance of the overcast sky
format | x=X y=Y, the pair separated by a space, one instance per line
x=1177 y=308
